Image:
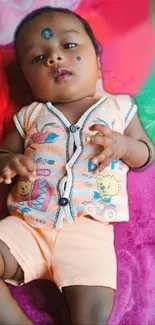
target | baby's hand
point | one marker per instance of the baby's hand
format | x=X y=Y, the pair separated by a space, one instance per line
x=16 y=164
x=114 y=145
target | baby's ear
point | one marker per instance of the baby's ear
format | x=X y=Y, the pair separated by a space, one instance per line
x=99 y=67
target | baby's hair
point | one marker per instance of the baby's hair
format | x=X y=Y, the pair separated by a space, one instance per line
x=42 y=10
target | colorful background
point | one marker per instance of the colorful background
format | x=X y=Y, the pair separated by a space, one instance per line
x=153 y=10
x=124 y=29
x=146 y=96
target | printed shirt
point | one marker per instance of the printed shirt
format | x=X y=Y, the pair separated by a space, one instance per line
x=67 y=184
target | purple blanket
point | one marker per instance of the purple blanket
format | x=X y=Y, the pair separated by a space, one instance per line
x=135 y=247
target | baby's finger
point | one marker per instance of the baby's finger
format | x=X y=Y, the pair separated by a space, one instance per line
x=100 y=140
x=8 y=181
x=20 y=169
x=1 y=179
x=103 y=165
x=28 y=163
x=107 y=153
x=6 y=175
x=103 y=129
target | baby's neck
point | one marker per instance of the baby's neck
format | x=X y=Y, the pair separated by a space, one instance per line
x=74 y=110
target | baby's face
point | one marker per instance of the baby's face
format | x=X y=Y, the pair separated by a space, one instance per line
x=51 y=65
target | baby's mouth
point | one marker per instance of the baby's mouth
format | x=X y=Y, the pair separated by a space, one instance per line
x=61 y=74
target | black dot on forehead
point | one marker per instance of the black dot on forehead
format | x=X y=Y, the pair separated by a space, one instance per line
x=47 y=33
x=79 y=58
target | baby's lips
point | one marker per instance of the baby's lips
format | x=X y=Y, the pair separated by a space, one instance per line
x=61 y=71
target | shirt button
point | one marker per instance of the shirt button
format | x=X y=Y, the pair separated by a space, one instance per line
x=73 y=128
x=63 y=201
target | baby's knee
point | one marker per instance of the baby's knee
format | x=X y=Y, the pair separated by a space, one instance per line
x=101 y=305
x=100 y=314
x=8 y=264
x=89 y=305
x=93 y=315
x=1 y=265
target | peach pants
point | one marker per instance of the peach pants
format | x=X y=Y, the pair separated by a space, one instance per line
x=80 y=253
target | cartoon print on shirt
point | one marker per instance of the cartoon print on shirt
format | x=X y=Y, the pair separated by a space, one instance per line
x=24 y=190
x=41 y=171
x=114 y=164
x=117 y=164
x=44 y=161
x=43 y=137
x=14 y=210
x=108 y=187
x=91 y=167
x=37 y=194
x=101 y=121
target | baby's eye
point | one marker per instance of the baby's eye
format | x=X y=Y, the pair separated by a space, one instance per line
x=38 y=58
x=69 y=45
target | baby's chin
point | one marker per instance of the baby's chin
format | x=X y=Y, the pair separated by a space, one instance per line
x=54 y=100
x=62 y=99
x=65 y=92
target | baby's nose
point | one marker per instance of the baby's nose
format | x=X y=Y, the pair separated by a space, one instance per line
x=53 y=59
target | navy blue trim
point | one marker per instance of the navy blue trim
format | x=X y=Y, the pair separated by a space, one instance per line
x=72 y=212
x=59 y=208
x=67 y=159
x=80 y=154
x=130 y=110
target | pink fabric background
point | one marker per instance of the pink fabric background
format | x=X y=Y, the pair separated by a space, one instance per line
x=125 y=32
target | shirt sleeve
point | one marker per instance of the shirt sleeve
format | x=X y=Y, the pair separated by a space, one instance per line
x=23 y=117
x=128 y=108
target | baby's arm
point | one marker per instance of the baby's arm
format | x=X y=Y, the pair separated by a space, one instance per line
x=129 y=147
x=137 y=152
x=13 y=142
x=14 y=162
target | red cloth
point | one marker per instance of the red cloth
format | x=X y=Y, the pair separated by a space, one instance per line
x=14 y=92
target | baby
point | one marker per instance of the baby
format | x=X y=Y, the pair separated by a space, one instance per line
x=72 y=152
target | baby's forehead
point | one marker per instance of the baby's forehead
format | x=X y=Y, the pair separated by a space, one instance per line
x=47 y=27
x=58 y=22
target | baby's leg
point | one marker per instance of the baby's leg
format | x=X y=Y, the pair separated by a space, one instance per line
x=10 y=312
x=89 y=305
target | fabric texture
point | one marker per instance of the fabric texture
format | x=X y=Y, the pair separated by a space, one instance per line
x=72 y=255
x=54 y=194
x=125 y=70
x=135 y=249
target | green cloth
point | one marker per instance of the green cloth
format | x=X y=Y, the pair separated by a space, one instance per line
x=146 y=103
